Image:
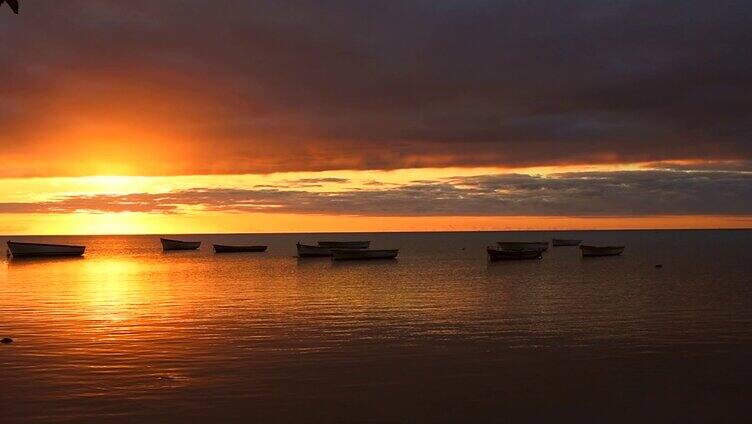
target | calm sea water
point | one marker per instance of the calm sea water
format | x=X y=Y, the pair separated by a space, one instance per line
x=131 y=334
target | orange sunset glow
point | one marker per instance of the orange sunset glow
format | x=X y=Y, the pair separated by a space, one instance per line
x=374 y=211
x=131 y=204
x=115 y=127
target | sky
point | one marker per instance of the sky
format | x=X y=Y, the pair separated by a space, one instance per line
x=255 y=116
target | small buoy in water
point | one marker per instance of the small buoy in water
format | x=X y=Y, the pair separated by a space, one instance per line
x=659 y=266
x=6 y=340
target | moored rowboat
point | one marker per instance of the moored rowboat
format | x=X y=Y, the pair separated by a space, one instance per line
x=220 y=248
x=601 y=250
x=352 y=254
x=168 y=244
x=39 y=250
x=565 y=242
x=523 y=245
x=308 y=251
x=512 y=255
x=345 y=244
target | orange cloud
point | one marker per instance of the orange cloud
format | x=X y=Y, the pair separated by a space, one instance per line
x=93 y=88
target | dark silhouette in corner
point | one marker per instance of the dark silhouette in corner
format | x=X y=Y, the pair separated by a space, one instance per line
x=12 y=3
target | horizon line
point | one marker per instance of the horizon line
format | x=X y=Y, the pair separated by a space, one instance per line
x=380 y=232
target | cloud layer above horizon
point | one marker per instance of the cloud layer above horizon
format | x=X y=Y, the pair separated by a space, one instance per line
x=196 y=87
x=594 y=194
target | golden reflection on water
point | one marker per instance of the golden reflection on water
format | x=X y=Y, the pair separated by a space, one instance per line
x=128 y=326
x=110 y=289
x=94 y=298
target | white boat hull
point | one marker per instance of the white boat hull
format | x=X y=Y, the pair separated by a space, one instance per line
x=40 y=250
x=344 y=254
x=168 y=245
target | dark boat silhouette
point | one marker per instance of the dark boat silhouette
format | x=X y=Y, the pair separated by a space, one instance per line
x=220 y=248
x=309 y=251
x=345 y=244
x=590 y=251
x=565 y=242
x=43 y=250
x=324 y=248
x=12 y=3
x=169 y=245
x=356 y=254
x=500 y=254
x=523 y=245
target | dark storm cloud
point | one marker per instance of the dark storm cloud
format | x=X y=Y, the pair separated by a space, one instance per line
x=628 y=193
x=250 y=86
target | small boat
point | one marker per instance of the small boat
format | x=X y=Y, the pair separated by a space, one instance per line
x=308 y=251
x=523 y=245
x=565 y=242
x=220 y=248
x=601 y=250
x=353 y=254
x=41 y=250
x=496 y=254
x=345 y=244
x=168 y=244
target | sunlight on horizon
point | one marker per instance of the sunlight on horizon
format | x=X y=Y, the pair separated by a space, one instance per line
x=213 y=222
x=40 y=188
x=188 y=219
